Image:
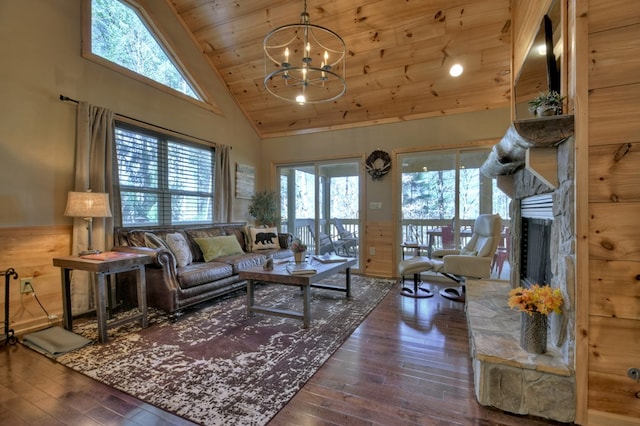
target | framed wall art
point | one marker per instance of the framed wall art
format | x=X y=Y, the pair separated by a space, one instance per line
x=245 y=181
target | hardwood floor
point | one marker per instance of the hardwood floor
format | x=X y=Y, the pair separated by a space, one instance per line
x=407 y=364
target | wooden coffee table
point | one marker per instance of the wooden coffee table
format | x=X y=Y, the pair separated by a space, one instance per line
x=280 y=275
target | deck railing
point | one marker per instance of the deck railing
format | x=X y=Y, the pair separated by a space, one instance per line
x=420 y=231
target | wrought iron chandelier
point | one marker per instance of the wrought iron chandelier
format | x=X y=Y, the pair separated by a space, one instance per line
x=309 y=61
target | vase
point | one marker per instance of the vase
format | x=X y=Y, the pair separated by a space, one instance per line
x=299 y=256
x=533 y=332
x=546 y=111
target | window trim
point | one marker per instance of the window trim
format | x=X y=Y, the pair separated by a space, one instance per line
x=87 y=53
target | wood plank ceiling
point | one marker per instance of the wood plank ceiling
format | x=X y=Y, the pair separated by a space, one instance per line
x=399 y=54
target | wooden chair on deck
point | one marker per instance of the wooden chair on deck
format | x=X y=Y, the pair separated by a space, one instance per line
x=350 y=239
x=325 y=243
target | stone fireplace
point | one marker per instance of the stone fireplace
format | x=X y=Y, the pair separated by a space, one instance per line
x=534 y=163
x=561 y=239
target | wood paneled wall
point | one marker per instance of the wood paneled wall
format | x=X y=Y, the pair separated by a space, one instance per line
x=603 y=61
x=379 y=235
x=30 y=252
x=614 y=205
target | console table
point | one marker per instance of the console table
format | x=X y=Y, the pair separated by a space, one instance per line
x=101 y=266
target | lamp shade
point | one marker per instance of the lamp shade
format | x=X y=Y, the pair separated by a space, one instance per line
x=88 y=204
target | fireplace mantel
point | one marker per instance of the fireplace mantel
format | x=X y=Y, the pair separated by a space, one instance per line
x=531 y=143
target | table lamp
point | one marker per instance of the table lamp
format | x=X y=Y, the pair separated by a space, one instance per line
x=88 y=205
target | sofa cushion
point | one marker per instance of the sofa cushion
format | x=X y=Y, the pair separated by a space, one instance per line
x=264 y=238
x=180 y=248
x=199 y=273
x=215 y=247
x=241 y=262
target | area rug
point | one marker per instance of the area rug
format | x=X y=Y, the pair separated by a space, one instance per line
x=215 y=365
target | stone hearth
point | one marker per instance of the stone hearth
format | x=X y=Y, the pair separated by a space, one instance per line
x=505 y=376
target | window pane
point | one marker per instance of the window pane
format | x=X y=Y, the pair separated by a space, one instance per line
x=119 y=35
x=344 y=197
x=137 y=159
x=428 y=186
x=189 y=168
x=139 y=208
x=305 y=194
x=186 y=209
x=469 y=193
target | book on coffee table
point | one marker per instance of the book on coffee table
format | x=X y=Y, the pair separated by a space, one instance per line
x=300 y=269
x=329 y=258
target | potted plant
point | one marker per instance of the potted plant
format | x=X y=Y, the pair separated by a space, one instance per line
x=264 y=208
x=546 y=103
x=535 y=303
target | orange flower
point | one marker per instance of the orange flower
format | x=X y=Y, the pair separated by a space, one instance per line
x=543 y=299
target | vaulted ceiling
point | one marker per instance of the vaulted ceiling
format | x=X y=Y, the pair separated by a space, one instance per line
x=399 y=55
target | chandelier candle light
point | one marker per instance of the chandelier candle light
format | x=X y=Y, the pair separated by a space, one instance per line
x=309 y=61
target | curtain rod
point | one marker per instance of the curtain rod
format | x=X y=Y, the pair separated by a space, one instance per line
x=68 y=99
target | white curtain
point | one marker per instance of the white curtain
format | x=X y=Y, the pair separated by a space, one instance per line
x=95 y=162
x=223 y=196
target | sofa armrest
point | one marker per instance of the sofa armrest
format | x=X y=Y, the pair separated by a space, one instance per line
x=162 y=258
x=161 y=277
x=440 y=253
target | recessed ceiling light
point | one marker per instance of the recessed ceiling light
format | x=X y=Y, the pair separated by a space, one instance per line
x=456 y=70
x=542 y=50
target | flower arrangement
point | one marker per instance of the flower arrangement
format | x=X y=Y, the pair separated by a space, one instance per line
x=297 y=246
x=543 y=299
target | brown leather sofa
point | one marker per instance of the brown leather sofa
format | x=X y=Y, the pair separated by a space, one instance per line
x=173 y=288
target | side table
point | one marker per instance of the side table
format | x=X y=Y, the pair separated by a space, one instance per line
x=103 y=265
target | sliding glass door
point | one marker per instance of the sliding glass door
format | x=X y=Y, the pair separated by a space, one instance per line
x=442 y=193
x=320 y=203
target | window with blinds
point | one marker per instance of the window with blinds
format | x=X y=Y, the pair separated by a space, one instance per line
x=163 y=181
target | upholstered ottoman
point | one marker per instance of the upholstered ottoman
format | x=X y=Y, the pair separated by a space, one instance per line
x=415 y=266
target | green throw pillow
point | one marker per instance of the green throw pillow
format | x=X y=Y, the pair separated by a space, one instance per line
x=215 y=247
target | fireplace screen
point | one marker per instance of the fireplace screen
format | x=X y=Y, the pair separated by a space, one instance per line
x=535 y=254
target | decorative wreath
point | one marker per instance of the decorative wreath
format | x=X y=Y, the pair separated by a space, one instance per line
x=378 y=164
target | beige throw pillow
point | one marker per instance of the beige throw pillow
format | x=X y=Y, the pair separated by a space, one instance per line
x=180 y=248
x=264 y=238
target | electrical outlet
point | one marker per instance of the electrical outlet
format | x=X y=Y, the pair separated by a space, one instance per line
x=372 y=251
x=26 y=285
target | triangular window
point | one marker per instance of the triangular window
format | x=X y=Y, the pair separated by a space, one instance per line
x=121 y=34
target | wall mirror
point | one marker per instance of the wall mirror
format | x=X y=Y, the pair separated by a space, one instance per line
x=541 y=68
